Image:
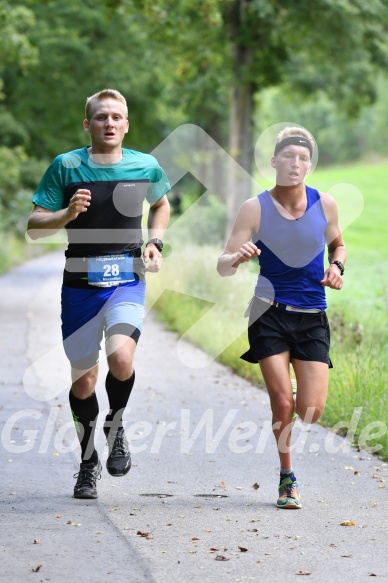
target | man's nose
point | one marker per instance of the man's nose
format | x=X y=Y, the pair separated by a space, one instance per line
x=109 y=121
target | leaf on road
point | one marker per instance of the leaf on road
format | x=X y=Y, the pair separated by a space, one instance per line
x=221 y=558
x=146 y=535
x=212 y=550
x=36 y=541
x=58 y=516
x=347 y=556
x=243 y=549
x=194 y=538
x=348 y=523
x=38 y=568
x=256 y=486
x=302 y=572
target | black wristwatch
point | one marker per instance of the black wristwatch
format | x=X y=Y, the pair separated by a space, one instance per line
x=158 y=244
x=339 y=265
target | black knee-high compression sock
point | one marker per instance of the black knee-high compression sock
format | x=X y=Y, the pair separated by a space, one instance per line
x=85 y=412
x=118 y=394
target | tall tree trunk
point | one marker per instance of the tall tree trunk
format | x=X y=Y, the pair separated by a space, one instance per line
x=241 y=149
x=241 y=113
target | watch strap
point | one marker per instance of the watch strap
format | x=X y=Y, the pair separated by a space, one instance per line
x=339 y=265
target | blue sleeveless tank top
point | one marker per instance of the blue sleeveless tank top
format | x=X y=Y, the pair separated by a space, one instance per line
x=292 y=253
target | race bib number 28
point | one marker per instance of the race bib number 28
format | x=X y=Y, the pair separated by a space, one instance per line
x=108 y=270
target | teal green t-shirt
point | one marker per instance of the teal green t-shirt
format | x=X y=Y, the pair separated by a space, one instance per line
x=112 y=223
x=77 y=167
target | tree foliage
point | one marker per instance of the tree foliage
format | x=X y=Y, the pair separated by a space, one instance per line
x=199 y=61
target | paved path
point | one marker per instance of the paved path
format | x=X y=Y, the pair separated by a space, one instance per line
x=188 y=510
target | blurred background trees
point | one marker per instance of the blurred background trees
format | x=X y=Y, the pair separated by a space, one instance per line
x=233 y=67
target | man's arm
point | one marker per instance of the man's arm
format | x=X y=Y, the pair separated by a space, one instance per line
x=43 y=222
x=335 y=244
x=239 y=247
x=158 y=217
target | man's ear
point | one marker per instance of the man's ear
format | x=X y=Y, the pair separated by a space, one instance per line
x=86 y=125
x=273 y=161
x=126 y=131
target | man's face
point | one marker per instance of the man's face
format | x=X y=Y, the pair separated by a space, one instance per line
x=292 y=164
x=107 y=126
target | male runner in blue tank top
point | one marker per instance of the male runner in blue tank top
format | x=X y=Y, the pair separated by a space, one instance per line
x=97 y=194
x=287 y=228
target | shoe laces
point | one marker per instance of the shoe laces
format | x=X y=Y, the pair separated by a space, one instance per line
x=87 y=477
x=290 y=489
x=120 y=444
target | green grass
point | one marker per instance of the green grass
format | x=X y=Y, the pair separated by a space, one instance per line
x=358 y=314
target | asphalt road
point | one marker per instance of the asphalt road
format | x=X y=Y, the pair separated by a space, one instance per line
x=199 y=502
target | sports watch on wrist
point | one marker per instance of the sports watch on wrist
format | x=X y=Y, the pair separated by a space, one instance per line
x=339 y=265
x=158 y=244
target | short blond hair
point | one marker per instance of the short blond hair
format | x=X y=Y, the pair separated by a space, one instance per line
x=104 y=94
x=295 y=131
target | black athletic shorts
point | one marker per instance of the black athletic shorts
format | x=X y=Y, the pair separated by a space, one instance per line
x=306 y=336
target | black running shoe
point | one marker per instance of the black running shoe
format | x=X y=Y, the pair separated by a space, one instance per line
x=86 y=480
x=119 y=458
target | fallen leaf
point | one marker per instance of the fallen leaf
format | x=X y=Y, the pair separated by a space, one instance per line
x=146 y=535
x=302 y=572
x=58 y=516
x=195 y=538
x=222 y=483
x=372 y=575
x=239 y=488
x=38 y=568
x=256 y=486
x=71 y=522
x=221 y=558
x=243 y=549
x=98 y=531
x=348 y=523
x=208 y=530
x=346 y=556
x=375 y=504
x=212 y=550
x=36 y=541
x=169 y=524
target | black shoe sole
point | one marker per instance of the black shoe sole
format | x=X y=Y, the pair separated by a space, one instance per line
x=117 y=473
x=85 y=496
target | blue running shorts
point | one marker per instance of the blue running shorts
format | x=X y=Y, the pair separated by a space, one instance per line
x=88 y=313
